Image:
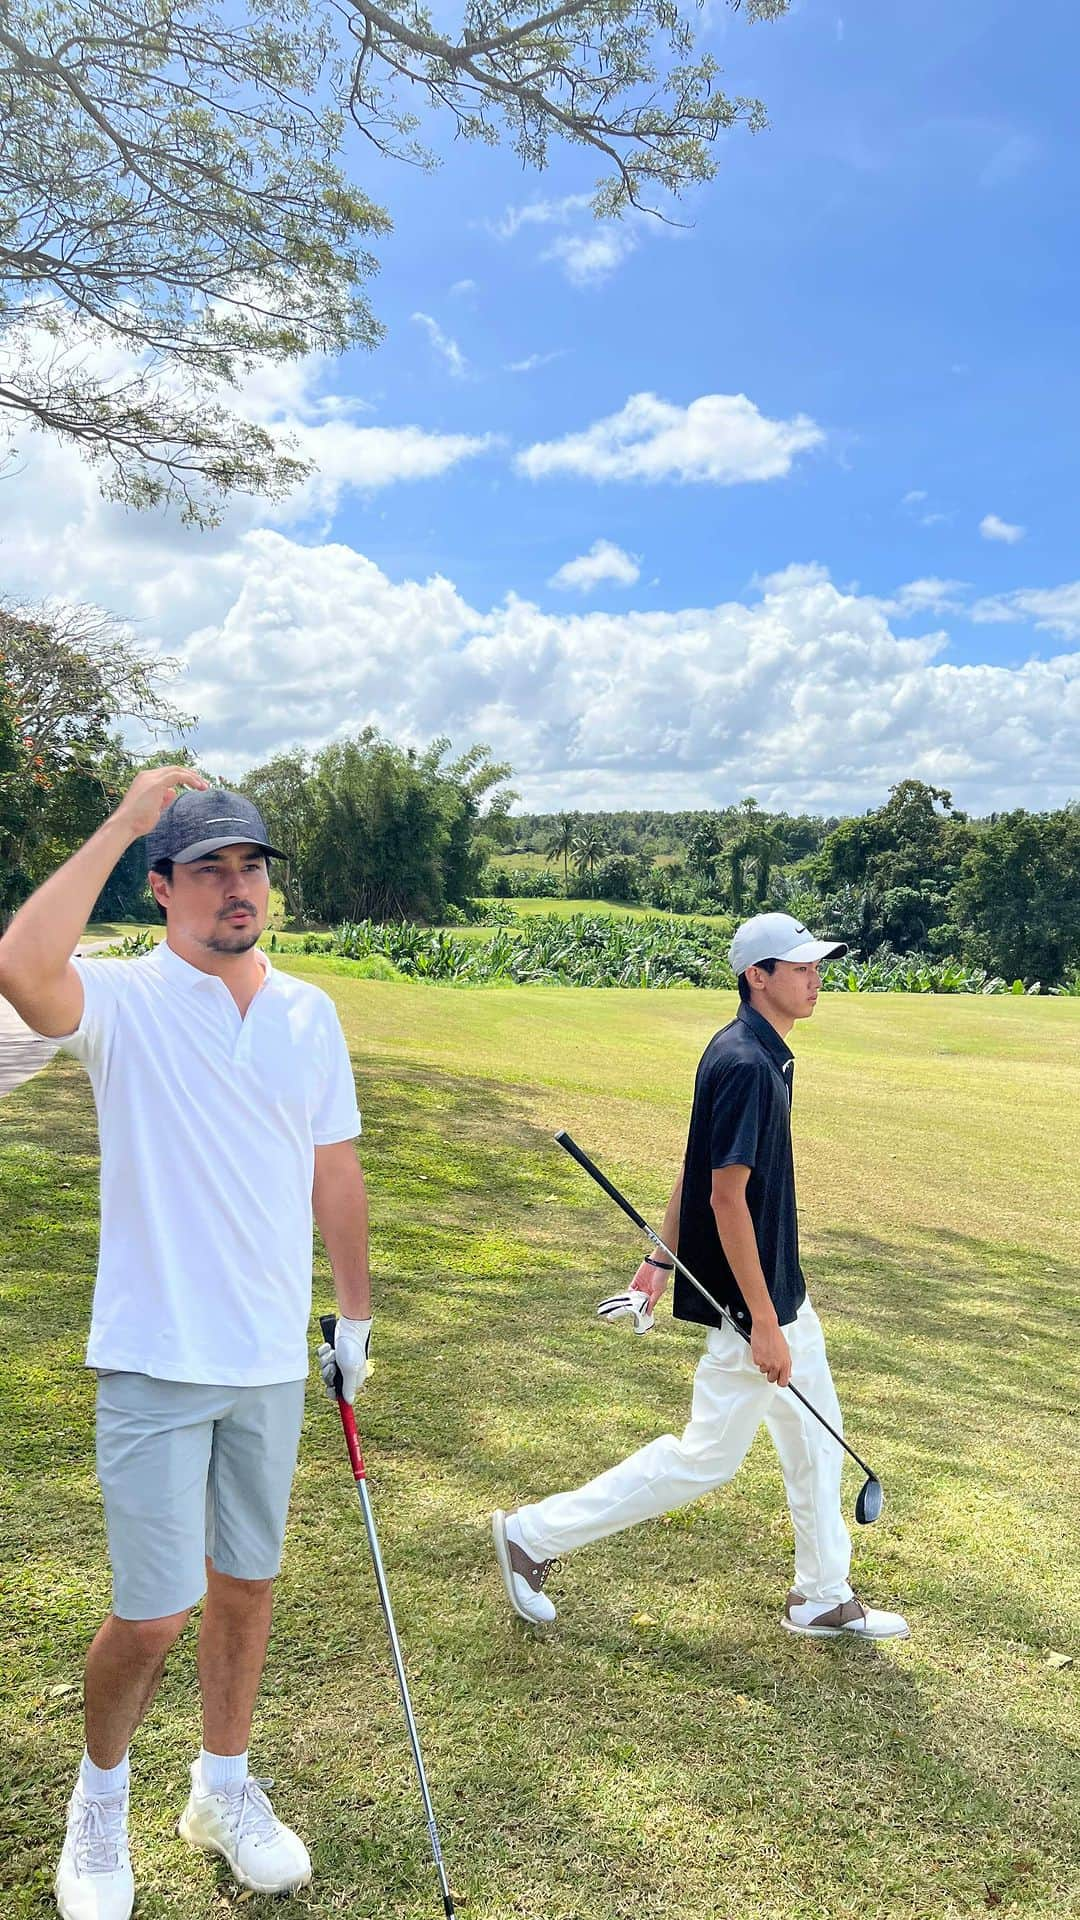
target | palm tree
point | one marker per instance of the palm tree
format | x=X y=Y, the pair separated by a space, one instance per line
x=589 y=849
x=737 y=852
x=561 y=844
x=767 y=848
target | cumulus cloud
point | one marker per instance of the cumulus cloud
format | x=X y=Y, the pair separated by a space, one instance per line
x=798 y=692
x=721 y=437
x=992 y=527
x=1051 y=609
x=802 y=694
x=446 y=348
x=604 y=561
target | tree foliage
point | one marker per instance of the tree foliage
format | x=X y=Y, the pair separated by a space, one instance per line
x=379 y=831
x=69 y=676
x=1019 y=895
x=171 y=211
x=617 y=76
x=894 y=868
x=175 y=205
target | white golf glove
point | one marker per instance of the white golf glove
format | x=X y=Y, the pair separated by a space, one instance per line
x=630 y=1305
x=348 y=1356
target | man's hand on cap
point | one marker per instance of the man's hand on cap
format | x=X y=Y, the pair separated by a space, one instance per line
x=151 y=792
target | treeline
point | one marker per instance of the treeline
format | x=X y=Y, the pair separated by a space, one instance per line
x=375 y=831
x=646 y=833
x=912 y=877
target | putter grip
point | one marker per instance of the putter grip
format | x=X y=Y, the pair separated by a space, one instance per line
x=328 y=1324
x=571 y=1147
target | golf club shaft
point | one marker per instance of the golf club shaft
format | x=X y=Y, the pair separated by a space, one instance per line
x=356 y=1461
x=564 y=1140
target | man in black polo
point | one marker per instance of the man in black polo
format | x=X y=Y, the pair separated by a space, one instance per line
x=732 y=1218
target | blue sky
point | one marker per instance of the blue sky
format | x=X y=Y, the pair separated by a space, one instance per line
x=887 y=274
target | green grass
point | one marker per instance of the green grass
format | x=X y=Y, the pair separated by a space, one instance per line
x=564 y=909
x=667 y=1752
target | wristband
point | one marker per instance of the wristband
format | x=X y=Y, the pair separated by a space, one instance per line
x=663 y=1265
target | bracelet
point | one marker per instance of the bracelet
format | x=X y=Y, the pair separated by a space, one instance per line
x=664 y=1265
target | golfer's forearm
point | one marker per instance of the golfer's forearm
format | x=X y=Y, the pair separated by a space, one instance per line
x=339 y=1200
x=669 y=1232
x=739 y=1241
x=41 y=939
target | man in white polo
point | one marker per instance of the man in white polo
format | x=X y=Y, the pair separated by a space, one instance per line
x=227 y=1116
x=732 y=1219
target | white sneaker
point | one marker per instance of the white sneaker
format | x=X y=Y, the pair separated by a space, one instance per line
x=848 y=1616
x=93 y=1880
x=239 y=1823
x=523 y=1577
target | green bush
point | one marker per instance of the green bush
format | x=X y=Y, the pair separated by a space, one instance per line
x=586 y=950
x=913 y=973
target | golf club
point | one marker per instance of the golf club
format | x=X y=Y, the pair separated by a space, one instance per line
x=328 y=1323
x=871 y=1499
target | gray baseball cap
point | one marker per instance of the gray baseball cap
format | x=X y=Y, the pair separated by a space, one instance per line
x=201 y=823
x=777 y=936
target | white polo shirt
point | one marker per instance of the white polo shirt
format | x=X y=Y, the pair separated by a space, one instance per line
x=208 y=1126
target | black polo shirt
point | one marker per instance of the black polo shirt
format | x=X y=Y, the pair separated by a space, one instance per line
x=741 y=1117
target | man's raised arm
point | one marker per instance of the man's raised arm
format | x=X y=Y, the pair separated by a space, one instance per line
x=36 y=973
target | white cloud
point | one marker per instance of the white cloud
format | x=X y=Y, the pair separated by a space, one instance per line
x=447 y=349
x=993 y=528
x=59 y=537
x=462 y=287
x=1050 y=609
x=591 y=251
x=535 y=360
x=348 y=457
x=802 y=695
x=721 y=437
x=930 y=595
x=289 y=399
x=798 y=692
x=589 y=259
x=538 y=213
x=916 y=499
x=604 y=561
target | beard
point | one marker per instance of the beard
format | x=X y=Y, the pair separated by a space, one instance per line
x=240 y=940
x=235 y=939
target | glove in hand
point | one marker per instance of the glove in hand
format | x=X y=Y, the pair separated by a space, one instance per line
x=348 y=1355
x=630 y=1305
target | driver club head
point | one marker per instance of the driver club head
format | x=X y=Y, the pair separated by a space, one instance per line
x=870 y=1502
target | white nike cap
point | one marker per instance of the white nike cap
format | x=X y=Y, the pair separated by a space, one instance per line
x=777 y=936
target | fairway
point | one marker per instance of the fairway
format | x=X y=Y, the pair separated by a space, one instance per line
x=666 y=1752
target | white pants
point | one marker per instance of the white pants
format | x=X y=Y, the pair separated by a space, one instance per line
x=731 y=1399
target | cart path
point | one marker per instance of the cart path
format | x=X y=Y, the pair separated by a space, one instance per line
x=22 y=1053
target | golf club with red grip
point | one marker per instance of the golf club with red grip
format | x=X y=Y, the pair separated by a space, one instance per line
x=328 y=1322
x=871 y=1499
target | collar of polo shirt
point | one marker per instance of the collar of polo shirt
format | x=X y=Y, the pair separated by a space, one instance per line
x=764 y=1031
x=184 y=975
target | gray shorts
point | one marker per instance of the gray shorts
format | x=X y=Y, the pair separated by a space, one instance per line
x=189 y=1472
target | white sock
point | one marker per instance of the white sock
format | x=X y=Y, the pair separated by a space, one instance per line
x=102 y=1783
x=217 y=1770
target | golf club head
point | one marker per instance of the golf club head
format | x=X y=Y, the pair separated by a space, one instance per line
x=870 y=1502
